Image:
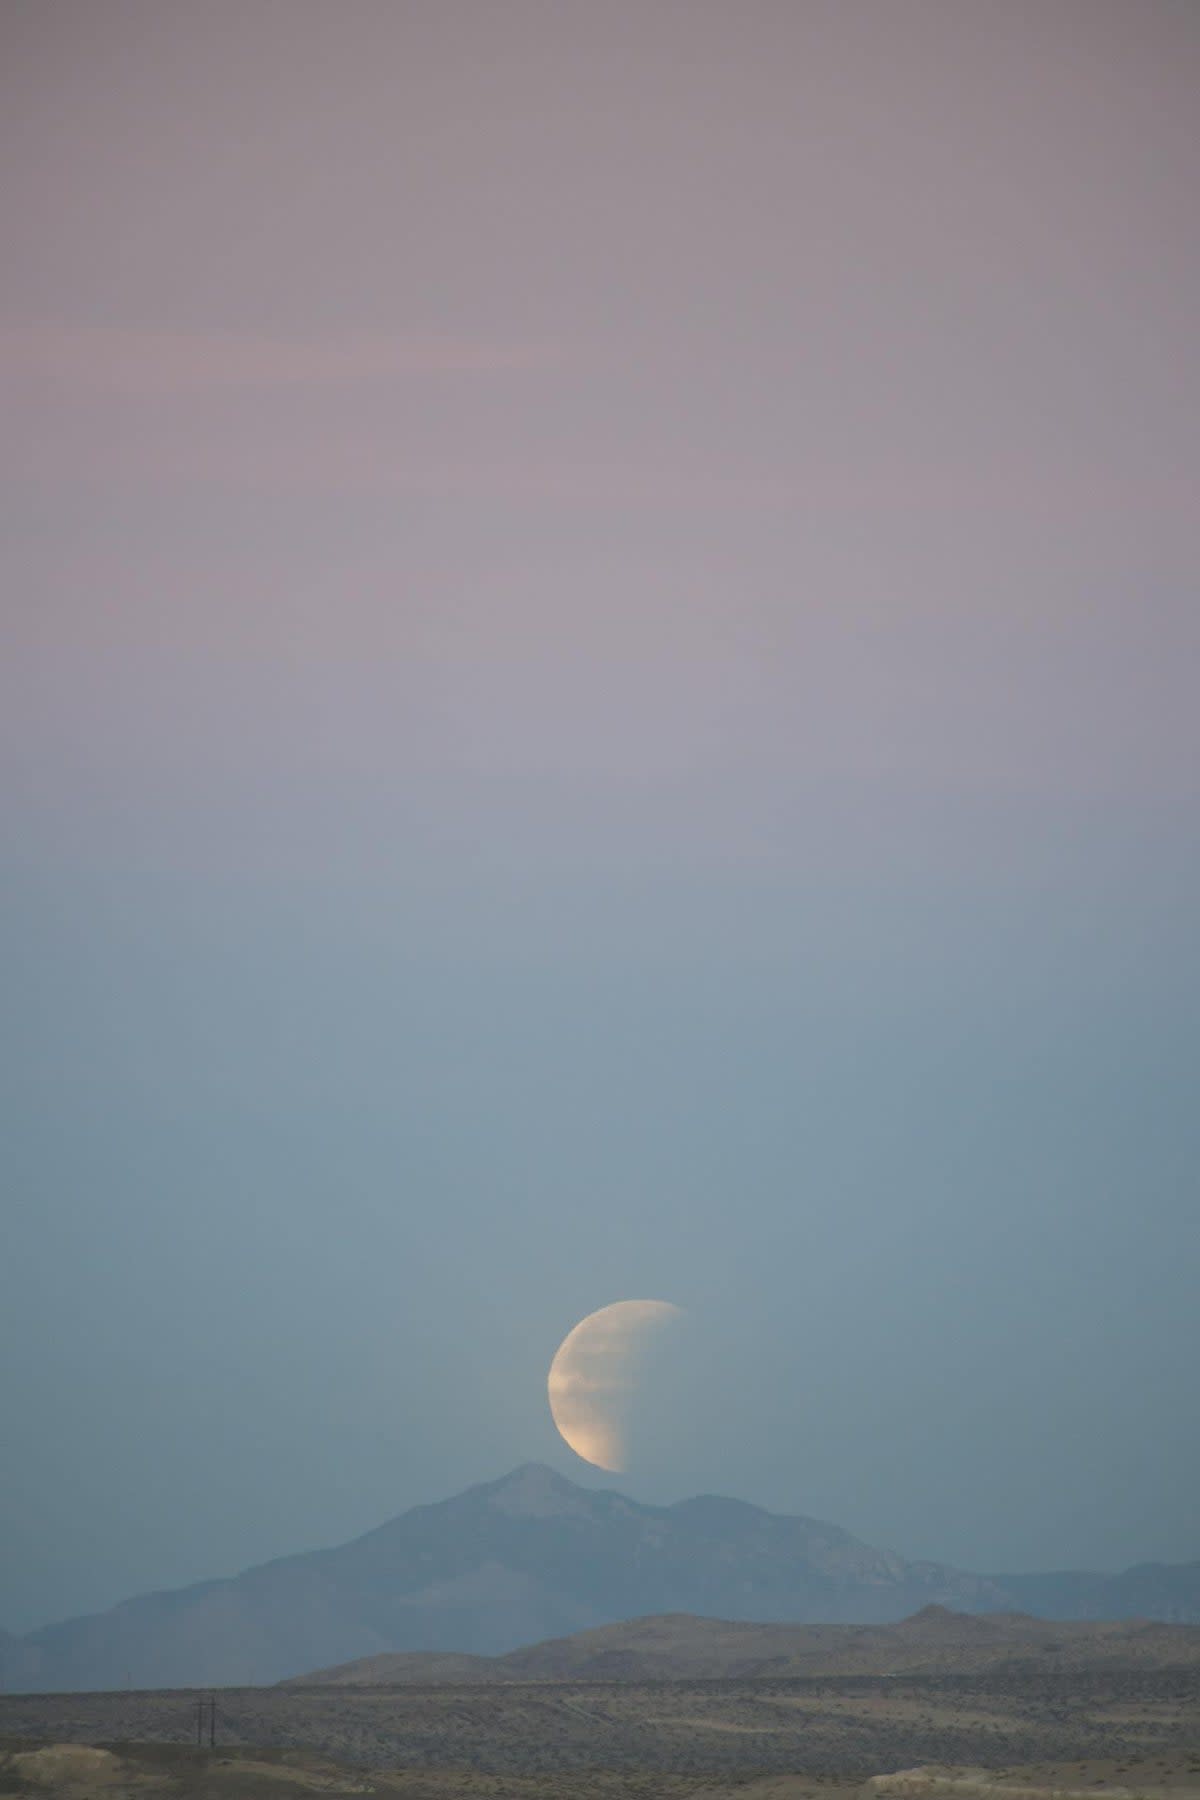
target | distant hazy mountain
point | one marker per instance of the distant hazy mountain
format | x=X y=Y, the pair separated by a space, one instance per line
x=531 y=1557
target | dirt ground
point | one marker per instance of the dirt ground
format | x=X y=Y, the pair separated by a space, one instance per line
x=1111 y=1732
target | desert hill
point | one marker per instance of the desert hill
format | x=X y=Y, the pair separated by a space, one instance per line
x=530 y=1557
x=680 y=1647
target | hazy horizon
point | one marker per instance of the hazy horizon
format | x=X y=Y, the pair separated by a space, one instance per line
x=600 y=701
x=596 y=1480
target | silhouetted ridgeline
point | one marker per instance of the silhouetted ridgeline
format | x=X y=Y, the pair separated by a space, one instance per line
x=680 y=1647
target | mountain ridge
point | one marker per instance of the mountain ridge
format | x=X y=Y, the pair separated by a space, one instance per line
x=681 y=1647
x=533 y=1556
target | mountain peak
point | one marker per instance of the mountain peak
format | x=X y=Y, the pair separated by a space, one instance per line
x=535 y=1491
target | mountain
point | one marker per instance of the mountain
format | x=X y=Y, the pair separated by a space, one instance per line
x=679 y=1647
x=1167 y=1591
x=529 y=1557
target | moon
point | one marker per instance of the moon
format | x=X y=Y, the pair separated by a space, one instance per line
x=592 y=1377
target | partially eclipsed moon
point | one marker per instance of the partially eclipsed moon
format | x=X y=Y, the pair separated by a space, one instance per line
x=592 y=1376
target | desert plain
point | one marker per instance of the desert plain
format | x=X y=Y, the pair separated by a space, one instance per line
x=1091 y=1726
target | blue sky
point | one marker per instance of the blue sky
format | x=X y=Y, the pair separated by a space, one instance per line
x=601 y=640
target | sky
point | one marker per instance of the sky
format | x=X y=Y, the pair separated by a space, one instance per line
x=600 y=649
